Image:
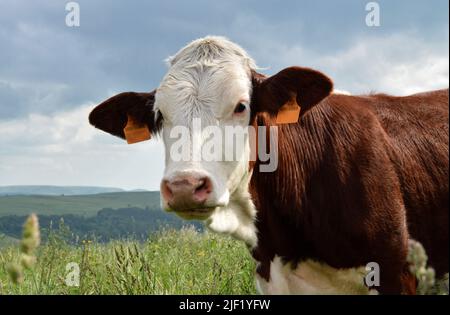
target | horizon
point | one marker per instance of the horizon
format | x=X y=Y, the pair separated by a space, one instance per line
x=79 y=186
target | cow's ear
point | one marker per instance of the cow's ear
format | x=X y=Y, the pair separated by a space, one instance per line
x=115 y=113
x=292 y=86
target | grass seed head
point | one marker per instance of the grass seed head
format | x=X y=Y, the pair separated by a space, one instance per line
x=15 y=272
x=31 y=237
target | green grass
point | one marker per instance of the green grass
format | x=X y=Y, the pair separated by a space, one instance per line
x=86 y=205
x=170 y=262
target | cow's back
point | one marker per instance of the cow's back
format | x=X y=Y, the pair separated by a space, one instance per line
x=417 y=127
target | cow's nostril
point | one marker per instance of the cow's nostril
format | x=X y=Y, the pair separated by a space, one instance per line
x=202 y=185
x=203 y=189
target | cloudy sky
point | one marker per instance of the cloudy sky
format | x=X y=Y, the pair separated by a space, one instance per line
x=52 y=75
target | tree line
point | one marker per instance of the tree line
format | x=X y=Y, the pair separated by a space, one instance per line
x=108 y=224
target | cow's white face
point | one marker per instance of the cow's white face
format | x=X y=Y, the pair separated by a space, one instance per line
x=202 y=103
x=205 y=90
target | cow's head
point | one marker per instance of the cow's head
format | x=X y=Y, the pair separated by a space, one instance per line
x=210 y=82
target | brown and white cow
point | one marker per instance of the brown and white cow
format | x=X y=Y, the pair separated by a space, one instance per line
x=357 y=176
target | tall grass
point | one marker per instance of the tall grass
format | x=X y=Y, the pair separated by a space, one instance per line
x=170 y=262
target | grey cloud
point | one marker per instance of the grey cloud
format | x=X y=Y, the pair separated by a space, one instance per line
x=121 y=46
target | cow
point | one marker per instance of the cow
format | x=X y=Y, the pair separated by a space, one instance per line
x=356 y=178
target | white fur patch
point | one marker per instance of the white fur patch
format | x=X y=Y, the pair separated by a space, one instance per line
x=238 y=217
x=206 y=80
x=310 y=278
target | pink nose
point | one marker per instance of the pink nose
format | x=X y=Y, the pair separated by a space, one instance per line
x=186 y=192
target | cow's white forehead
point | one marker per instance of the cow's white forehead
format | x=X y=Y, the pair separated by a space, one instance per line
x=211 y=50
x=206 y=78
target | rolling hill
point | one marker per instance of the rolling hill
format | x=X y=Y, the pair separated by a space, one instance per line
x=6 y=240
x=103 y=217
x=85 y=205
x=55 y=190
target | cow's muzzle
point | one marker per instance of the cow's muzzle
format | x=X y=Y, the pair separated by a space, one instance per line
x=188 y=196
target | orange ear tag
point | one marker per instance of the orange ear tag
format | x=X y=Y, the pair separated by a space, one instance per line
x=136 y=132
x=288 y=113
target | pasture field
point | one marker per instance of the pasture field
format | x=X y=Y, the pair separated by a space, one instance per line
x=85 y=205
x=169 y=262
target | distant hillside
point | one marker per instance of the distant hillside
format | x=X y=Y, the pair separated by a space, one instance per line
x=7 y=240
x=55 y=190
x=102 y=216
x=87 y=205
x=106 y=225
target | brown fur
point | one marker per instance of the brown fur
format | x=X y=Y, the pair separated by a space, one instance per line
x=357 y=176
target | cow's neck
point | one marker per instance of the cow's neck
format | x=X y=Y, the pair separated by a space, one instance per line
x=238 y=217
x=301 y=150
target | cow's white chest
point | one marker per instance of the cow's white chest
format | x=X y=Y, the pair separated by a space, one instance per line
x=311 y=277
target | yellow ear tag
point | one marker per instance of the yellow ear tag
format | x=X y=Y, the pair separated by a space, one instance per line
x=288 y=113
x=136 y=132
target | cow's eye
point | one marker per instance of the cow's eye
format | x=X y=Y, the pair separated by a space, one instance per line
x=240 y=108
